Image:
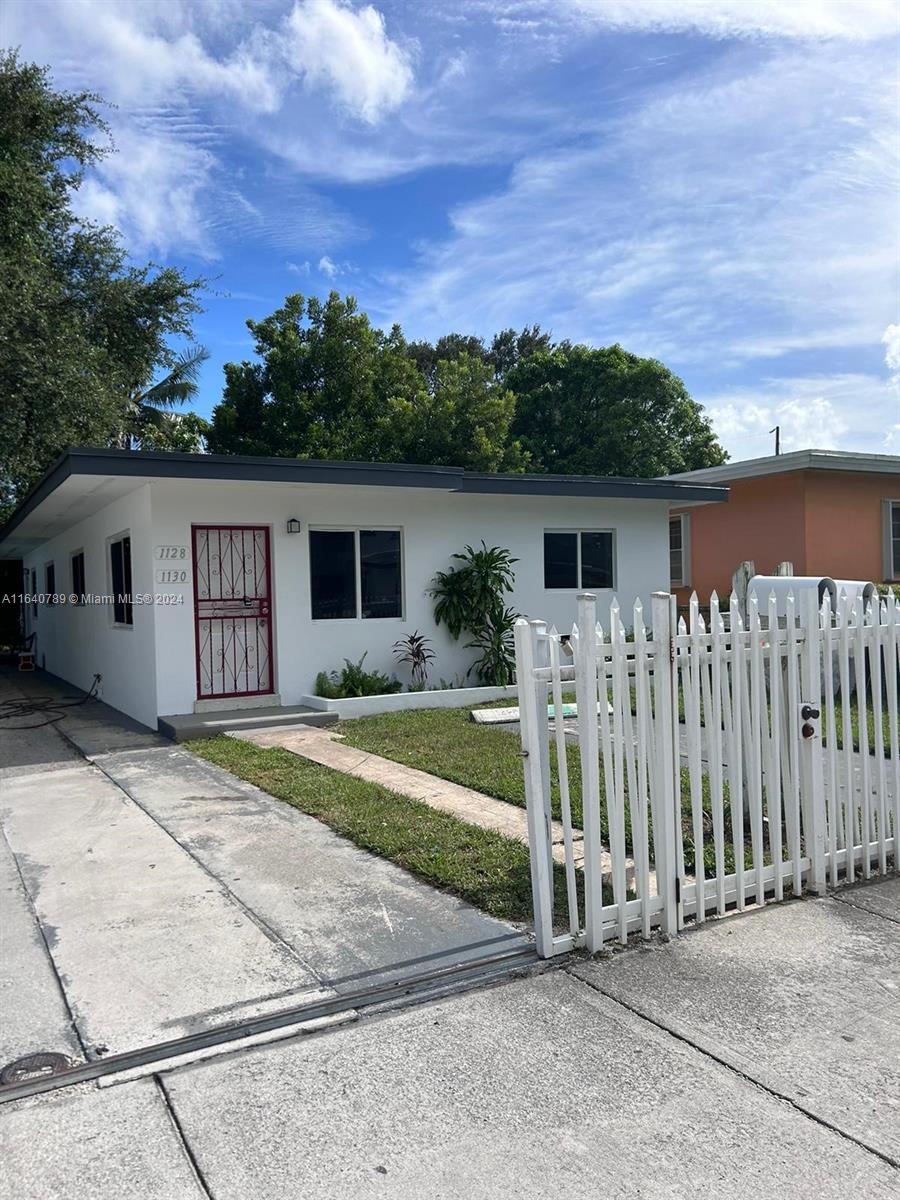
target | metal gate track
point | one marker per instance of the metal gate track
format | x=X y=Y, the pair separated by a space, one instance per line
x=472 y=971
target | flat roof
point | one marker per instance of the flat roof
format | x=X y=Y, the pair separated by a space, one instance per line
x=797 y=460
x=110 y=473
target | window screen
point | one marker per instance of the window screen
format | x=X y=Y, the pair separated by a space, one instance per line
x=560 y=560
x=380 y=573
x=676 y=552
x=120 y=570
x=332 y=570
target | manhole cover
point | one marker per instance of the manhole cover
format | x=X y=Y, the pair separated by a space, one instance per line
x=34 y=1066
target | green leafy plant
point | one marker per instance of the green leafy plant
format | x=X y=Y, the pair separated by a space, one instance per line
x=496 y=664
x=354 y=680
x=470 y=598
x=415 y=652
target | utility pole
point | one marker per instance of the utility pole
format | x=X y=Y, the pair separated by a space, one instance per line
x=777 y=432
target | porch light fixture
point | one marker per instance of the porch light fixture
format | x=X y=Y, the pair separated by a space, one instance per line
x=293 y=525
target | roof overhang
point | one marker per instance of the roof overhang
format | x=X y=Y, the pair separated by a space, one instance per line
x=81 y=482
x=797 y=460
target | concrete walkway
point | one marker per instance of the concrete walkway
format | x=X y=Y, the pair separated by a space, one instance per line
x=324 y=746
x=756 y=1056
x=148 y=894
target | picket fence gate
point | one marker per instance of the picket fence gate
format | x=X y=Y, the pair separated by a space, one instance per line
x=712 y=764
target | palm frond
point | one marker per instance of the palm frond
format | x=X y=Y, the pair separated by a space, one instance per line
x=180 y=384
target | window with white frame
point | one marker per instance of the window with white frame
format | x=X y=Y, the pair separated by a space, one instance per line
x=679 y=551
x=120 y=580
x=580 y=558
x=355 y=573
x=892 y=539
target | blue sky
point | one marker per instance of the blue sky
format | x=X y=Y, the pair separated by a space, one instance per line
x=711 y=182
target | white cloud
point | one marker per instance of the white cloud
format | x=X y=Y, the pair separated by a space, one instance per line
x=348 y=51
x=327 y=267
x=802 y=19
x=890 y=339
x=850 y=411
x=299 y=268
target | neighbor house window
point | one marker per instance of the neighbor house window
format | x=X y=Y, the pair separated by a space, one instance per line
x=892 y=539
x=679 y=551
x=34 y=603
x=355 y=573
x=579 y=559
x=120 y=579
x=50 y=581
x=78 y=576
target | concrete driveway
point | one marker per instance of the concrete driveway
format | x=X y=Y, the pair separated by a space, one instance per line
x=149 y=895
x=757 y=1056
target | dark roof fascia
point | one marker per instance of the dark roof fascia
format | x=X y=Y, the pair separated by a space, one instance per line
x=590 y=486
x=161 y=465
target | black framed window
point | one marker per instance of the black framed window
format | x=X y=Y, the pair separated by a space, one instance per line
x=120 y=577
x=78 y=576
x=355 y=573
x=584 y=558
x=50 y=581
x=34 y=603
x=895 y=539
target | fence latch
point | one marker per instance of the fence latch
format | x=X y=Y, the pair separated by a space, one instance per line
x=810 y=718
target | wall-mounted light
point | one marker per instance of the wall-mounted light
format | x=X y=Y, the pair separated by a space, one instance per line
x=293 y=525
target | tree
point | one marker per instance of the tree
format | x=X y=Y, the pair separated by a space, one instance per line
x=584 y=411
x=81 y=330
x=150 y=422
x=326 y=384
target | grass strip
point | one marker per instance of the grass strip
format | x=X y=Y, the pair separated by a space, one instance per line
x=486 y=869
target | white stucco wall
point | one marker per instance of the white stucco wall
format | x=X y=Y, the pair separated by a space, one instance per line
x=77 y=642
x=434 y=524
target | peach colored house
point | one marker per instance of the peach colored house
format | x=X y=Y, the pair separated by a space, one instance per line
x=828 y=512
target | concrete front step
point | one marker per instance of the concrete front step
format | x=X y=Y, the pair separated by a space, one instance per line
x=182 y=727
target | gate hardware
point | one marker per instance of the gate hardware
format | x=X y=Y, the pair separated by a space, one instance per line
x=808 y=731
x=808 y=713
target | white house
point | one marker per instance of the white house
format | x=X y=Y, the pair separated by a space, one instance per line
x=247 y=576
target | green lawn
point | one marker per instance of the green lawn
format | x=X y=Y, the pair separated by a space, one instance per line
x=486 y=869
x=447 y=743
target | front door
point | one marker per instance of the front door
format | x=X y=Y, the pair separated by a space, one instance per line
x=232 y=610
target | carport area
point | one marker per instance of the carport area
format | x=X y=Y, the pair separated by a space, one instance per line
x=148 y=895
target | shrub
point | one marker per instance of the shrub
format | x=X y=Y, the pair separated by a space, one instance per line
x=471 y=598
x=415 y=651
x=354 y=680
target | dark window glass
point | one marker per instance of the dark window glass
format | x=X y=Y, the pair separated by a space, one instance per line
x=895 y=536
x=120 y=561
x=34 y=603
x=380 y=572
x=51 y=582
x=332 y=573
x=78 y=576
x=596 y=560
x=560 y=560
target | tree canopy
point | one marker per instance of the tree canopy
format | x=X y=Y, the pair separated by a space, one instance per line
x=326 y=384
x=82 y=331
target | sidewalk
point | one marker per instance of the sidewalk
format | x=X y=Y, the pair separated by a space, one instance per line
x=758 y=1055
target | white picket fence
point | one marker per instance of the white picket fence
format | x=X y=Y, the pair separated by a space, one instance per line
x=712 y=764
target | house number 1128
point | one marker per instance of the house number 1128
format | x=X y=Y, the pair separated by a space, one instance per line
x=168 y=553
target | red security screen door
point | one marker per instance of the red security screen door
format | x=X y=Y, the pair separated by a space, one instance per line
x=232 y=610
